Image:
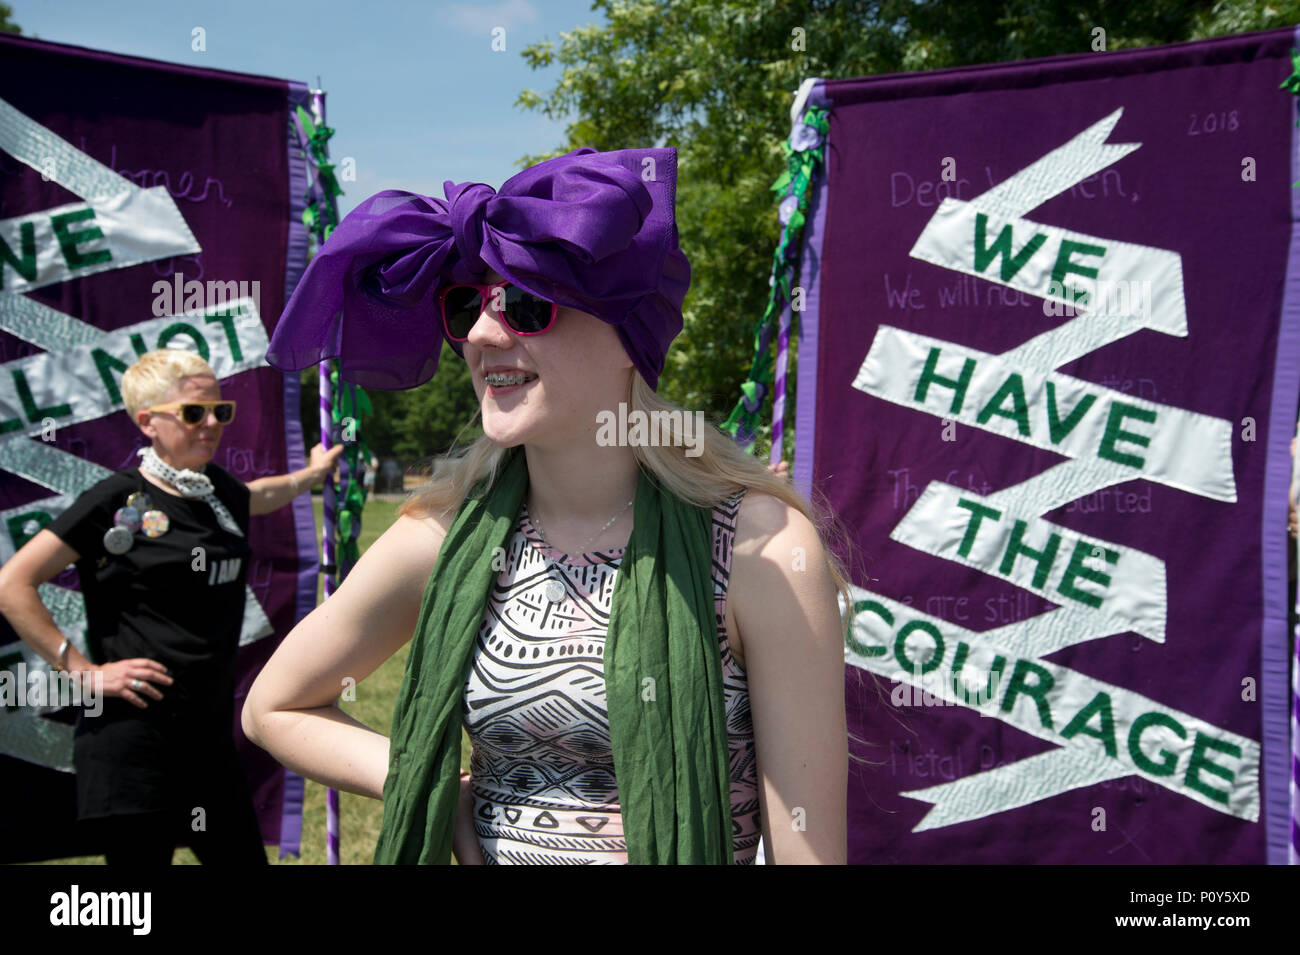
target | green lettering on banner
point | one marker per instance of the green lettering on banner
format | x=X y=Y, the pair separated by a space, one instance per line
x=1011 y=264
x=900 y=647
x=183 y=328
x=1060 y=429
x=1064 y=266
x=1014 y=387
x=958 y=385
x=227 y=321
x=26 y=266
x=1198 y=762
x=1037 y=692
x=106 y=364
x=17 y=522
x=1042 y=558
x=1077 y=568
x=883 y=613
x=1100 y=704
x=1083 y=714
x=959 y=686
x=137 y=342
x=34 y=413
x=11 y=424
x=978 y=513
x=68 y=241
x=1170 y=764
x=1115 y=432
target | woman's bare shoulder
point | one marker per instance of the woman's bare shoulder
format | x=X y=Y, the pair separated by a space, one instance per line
x=422 y=531
x=764 y=518
x=436 y=523
x=777 y=551
x=402 y=558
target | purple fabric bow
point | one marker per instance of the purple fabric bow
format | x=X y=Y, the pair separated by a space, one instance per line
x=589 y=230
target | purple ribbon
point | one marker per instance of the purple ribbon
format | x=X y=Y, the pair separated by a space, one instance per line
x=591 y=231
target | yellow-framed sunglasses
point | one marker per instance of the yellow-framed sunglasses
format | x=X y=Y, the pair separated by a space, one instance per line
x=194 y=413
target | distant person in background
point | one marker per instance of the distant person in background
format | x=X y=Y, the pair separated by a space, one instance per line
x=372 y=471
x=162 y=552
x=392 y=472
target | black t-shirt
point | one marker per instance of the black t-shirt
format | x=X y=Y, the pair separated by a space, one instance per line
x=177 y=598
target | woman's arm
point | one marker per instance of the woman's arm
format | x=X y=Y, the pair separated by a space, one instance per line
x=271 y=493
x=37 y=561
x=784 y=601
x=290 y=708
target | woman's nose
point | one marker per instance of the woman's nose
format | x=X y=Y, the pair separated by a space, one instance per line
x=490 y=329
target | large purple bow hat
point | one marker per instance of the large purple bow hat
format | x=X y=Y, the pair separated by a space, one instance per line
x=590 y=230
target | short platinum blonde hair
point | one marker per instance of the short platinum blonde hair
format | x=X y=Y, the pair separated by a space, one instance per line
x=147 y=382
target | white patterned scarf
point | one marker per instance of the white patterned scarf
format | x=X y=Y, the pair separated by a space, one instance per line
x=191 y=484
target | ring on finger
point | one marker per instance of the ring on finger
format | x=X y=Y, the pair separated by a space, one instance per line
x=136 y=684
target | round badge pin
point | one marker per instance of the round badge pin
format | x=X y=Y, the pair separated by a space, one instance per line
x=117 y=540
x=128 y=517
x=140 y=501
x=154 y=523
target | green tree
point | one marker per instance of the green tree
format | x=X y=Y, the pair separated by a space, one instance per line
x=412 y=425
x=716 y=80
x=7 y=24
x=434 y=415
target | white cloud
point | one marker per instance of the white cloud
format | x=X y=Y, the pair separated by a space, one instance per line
x=473 y=18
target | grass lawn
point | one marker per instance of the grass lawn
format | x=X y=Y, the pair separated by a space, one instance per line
x=359 y=817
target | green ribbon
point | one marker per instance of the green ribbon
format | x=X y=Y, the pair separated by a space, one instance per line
x=320 y=218
x=349 y=401
x=1292 y=85
x=801 y=171
x=663 y=679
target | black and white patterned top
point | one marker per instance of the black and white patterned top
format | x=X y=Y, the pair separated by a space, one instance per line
x=534 y=709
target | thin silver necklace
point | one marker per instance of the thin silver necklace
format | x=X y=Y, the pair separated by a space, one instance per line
x=554 y=588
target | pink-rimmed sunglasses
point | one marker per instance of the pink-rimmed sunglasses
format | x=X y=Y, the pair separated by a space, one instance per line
x=524 y=312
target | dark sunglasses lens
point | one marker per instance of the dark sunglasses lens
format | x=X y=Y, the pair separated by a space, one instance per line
x=462 y=307
x=197 y=414
x=525 y=311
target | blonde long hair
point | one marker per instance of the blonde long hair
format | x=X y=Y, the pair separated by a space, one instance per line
x=720 y=470
x=705 y=480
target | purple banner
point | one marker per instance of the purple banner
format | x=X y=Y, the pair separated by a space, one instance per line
x=154 y=196
x=1054 y=393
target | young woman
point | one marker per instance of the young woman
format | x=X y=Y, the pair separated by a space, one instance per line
x=642 y=640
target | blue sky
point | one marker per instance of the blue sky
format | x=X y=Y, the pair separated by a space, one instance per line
x=415 y=92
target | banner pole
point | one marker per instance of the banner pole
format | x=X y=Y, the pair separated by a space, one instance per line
x=329 y=508
x=805 y=155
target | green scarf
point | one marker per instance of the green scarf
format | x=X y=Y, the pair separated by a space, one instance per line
x=663 y=680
